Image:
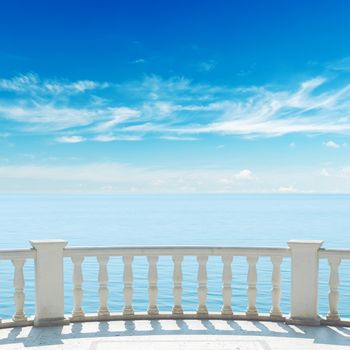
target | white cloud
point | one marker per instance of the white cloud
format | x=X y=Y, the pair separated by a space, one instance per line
x=46 y=117
x=139 y=60
x=80 y=86
x=70 y=139
x=345 y=172
x=207 y=66
x=105 y=138
x=336 y=173
x=19 y=83
x=156 y=107
x=101 y=177
x=245 y=174
x=118 y=116
x=325 y=172
x=121 y=178
x=331 y=144
x=340 y=65
x=110 y=138
x=287 y=189
x=32 y=84
x=178 y=138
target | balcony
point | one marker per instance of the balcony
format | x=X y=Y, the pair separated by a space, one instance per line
x=225 y=326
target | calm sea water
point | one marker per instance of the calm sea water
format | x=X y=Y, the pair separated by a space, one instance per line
x=229 y=220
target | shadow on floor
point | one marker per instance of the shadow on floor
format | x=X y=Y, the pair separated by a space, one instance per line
x=30 y=336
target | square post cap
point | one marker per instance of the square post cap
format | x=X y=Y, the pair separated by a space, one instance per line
x=58 y=243
x=309 y=244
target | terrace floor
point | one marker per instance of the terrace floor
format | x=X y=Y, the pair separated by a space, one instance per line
x=176 y=335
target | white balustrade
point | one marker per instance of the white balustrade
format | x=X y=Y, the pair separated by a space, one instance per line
x=78 y=312
x=177 y=277
x=152 y=285
x=128 y=309
x=103 y=289
x=18 y=283
x=276 y=286
x=333 y=295
x=251 y=281
x=226 y=285
x=202 y=285
x=48 y=257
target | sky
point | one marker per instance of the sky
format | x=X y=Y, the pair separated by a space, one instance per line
x=175 y=96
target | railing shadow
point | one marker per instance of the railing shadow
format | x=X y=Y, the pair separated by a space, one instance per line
x=104 y=331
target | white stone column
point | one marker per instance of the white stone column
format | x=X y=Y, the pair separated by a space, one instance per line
x=49 y=291
x=304 y=282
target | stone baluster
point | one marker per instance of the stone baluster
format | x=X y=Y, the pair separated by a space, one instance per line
x=251 y=281
x=276 y=286
x=202 y=285
x=18 y=283
x=177 y=290
x=333 y=295
x=103 y=289
x=78 y=312
x=226 y=285
x=152 y=285
x=128 y=309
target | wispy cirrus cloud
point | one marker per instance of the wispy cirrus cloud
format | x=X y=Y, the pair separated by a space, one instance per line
x=32 y=117
x=31 y=83
x=173 y=109
x=118 y=115
x=207 y=66
x=138 y=61
x=340 y=65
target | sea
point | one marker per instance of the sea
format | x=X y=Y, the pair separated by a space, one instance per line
x=148 y=220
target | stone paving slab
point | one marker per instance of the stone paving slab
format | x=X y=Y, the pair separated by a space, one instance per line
x=176 y=335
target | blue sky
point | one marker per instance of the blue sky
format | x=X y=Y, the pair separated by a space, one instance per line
x=175 y=96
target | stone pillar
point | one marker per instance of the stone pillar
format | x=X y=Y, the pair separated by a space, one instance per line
x=304 y=282
x=49 y=282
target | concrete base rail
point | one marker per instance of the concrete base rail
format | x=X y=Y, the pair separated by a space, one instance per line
x=48 y=256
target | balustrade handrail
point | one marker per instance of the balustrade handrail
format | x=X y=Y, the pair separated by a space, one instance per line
x=341 y=253
x=175 y=250
x=8 y=254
